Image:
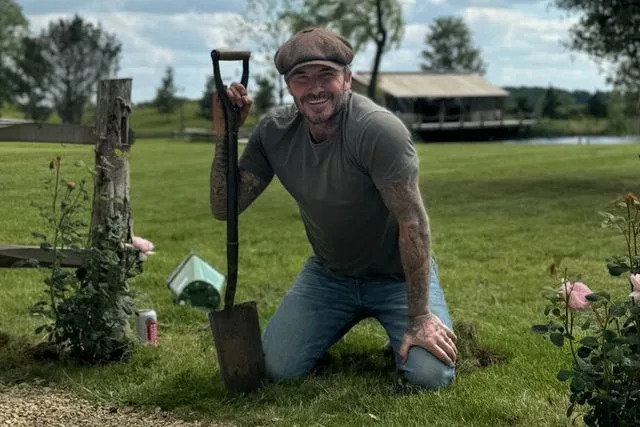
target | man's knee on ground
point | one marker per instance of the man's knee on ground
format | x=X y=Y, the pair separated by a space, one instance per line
x=423 y=370
x=278 y=372
x=433 y=379
x=279 y=367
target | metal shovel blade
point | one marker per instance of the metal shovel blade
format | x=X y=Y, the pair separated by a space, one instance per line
x=236 y=333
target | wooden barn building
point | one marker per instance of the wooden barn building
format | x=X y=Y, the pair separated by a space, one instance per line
x=444 y=106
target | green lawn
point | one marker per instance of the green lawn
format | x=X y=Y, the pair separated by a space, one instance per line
x=499 y=214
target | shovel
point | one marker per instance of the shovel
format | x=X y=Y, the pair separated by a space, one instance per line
x=236 y=331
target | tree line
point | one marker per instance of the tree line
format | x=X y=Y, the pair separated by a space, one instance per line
x=57 y=70
x=556 y=103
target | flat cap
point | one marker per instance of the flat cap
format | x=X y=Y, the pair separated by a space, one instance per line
x=313 y=46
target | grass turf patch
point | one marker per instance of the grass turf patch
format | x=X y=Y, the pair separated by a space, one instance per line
x=500 y=214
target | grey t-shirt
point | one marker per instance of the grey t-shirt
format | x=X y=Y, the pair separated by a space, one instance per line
x=335 y=182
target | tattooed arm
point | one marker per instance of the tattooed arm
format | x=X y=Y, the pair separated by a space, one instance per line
x=249 y=185
x=424 y=329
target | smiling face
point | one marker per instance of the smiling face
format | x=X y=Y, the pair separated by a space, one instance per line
x=319 y=91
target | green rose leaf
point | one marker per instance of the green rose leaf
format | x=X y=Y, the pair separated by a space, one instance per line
x=616 y=269
x=589 y=342
x=540 y=329
x=598 y=296
x=564 y=375
x=584 y=352
x=557 y=338
x=618 y=310
x=577 y=384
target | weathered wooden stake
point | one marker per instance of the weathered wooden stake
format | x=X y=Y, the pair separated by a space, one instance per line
x=111 y=186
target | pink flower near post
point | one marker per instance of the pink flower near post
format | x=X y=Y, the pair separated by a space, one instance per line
x=144 y=246
x=577 y=292
x=634 y=279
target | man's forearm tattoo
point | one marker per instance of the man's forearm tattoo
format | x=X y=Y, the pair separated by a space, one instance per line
x=404 y=201
x=249 y=185
x=218 y=182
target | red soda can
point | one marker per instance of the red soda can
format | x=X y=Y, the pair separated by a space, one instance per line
x=147 y=327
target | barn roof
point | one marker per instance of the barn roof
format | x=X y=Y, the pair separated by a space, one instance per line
x=432 y=85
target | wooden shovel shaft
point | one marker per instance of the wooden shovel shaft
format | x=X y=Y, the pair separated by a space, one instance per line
x=232 y=217
x=232 y=123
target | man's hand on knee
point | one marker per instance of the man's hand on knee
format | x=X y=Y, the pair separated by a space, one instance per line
x=428 y=331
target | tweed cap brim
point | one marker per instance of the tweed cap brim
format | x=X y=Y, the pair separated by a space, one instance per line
x=314 y=62
x=313 y=44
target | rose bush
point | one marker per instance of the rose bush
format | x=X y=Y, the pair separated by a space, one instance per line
x=87 y=311
x=602 y=332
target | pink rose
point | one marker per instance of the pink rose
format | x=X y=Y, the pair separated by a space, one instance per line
x=144 y=246
x=634 y=279
x=577 y=293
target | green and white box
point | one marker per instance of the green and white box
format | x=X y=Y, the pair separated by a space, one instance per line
x=197 y=283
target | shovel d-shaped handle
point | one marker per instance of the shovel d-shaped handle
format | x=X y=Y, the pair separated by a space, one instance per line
x=229 y=55
x=231 y=122
x=231 y=113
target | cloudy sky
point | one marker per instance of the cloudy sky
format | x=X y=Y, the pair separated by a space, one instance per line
x=519 y=39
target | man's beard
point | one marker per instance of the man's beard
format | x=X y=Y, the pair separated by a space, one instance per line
x=338 y=106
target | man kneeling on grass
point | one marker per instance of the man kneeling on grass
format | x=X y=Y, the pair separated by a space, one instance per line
x=352 y=168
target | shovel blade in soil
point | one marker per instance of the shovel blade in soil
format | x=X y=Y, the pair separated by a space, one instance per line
x=236 y=333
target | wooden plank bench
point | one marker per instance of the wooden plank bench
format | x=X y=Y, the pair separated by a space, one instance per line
x=12 y=256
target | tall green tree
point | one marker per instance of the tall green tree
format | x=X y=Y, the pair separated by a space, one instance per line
x=263 y=100
x=166 y=100
x=78 y=54
x=550 y=104
x=597 y=105
x=265 y=25
x=608 y=31
x=206 y=102
x=13 y=27
x=361 y=22
x=524 y=105
x=449 y=47
x=33 y=75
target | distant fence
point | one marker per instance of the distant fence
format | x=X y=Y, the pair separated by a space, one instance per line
x=111 y=137
x=17 y=130
x=190 y=134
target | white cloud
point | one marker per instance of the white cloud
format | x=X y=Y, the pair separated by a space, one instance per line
x=521 y=48
x=151 y=42
x=414 y=35
x=520 y=39
x=525 y=49
x=512 y=28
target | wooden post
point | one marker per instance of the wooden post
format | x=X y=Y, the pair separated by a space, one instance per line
x=111 y=186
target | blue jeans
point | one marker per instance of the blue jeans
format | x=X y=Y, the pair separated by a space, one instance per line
x=321 y=307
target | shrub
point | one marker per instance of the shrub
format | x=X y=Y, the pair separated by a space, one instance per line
x=602 y=333
x=87 y=310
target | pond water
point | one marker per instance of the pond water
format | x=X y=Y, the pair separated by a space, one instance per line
x=575 y=140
